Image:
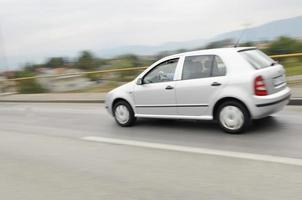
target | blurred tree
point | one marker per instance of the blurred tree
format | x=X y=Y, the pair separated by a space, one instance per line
x=220 y=44
x=32 y=67
x=284 y=45
x=128 y=60
x=125 y=61
x=247 y=44
x=161 y=55
x=87 y=61
x=55 y=62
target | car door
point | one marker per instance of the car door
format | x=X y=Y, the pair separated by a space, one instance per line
x=202 y=77
x=155 y=95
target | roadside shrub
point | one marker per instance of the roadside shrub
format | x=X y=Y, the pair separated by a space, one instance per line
x=29 y=87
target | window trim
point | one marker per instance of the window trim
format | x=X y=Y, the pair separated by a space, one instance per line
x=153 y=68
x=211 y=73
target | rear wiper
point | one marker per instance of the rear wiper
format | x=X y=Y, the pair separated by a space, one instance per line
x=273 y=63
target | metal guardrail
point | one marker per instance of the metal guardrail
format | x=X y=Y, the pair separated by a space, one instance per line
x=286 y=55
x=80 y=73
x=124 y=69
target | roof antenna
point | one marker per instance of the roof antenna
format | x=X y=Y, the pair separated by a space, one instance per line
x=245 y=27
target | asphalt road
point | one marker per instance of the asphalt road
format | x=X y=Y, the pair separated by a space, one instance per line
x=44 y=155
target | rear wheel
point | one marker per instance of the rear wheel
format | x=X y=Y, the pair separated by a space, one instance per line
x=123 y=114
x=233 y=117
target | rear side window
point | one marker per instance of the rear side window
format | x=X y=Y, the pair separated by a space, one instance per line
x=202 y=66
x=257 y=58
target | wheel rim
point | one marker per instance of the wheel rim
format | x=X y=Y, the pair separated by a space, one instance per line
x=231 y=117
x=122 y=114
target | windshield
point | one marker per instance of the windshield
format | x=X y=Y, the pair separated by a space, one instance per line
x=257 y=58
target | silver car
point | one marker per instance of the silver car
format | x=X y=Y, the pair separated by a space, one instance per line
x=229 y=85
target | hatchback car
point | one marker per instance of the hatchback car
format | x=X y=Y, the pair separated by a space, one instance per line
x=229 y=85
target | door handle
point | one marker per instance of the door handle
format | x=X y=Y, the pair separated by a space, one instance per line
x=215 y=84
x=169 y=87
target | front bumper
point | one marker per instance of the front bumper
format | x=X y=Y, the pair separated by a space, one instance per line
x=108 y=100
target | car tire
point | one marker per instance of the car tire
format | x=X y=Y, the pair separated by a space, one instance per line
x=123 y=114
x=233 y=117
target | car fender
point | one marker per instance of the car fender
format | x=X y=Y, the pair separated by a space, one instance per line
x=124 y=92
x=233 y=92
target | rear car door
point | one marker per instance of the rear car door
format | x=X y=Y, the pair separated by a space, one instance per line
x=203 y=76
x=156 y=94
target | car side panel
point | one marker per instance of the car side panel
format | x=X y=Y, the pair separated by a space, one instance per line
x=194 y=95
x=232 y=92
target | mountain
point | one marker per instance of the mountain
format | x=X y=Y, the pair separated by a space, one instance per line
x=286 y=27
x=149 y=50
x=291 y=27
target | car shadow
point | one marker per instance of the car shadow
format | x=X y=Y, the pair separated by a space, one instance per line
x=179 y=124
x=176 y=123
x=268 y=124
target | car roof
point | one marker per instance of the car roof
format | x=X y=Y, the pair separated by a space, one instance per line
x=213 y=51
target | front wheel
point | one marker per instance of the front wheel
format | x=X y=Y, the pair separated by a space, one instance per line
x=233 y=117
x=123 y=114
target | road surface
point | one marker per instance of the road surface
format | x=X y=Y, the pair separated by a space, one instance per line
x=76 y=151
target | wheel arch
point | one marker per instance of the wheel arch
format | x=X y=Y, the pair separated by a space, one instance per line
x=118 y=99
x=225 y=99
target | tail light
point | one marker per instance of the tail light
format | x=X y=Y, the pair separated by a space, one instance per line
x=259 y=86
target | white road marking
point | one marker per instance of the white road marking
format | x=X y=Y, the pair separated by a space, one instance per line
x=170 y=147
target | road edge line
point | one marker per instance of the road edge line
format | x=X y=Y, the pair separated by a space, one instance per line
x=197 y=150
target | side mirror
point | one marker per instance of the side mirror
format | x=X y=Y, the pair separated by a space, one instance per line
x=139 y=81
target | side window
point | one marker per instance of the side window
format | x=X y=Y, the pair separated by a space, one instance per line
x=161 y=73
x=218 y=68
x=202 y=66
x=197 y=67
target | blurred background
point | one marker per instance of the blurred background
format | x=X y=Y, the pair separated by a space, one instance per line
x=93 y=46
x=58 y=58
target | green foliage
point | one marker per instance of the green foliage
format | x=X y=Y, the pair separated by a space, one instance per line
x=219 y=44
x=55 y=62
x=94 y=77
x=247 y=44
x=23 y=74
x=28 y=86
x=128 y=60
x=32 y=67
x=86 y=61
x=293 y=66
x=284 y=45
x=125 y=61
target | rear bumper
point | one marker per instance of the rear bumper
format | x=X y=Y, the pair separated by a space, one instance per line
x=267 y=105
x=274 y=102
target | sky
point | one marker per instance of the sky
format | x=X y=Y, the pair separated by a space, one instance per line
x=33 y=30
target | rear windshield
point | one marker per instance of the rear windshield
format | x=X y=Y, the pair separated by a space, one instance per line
x=257 y=58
